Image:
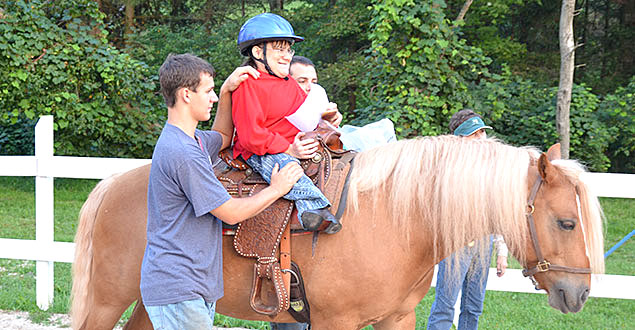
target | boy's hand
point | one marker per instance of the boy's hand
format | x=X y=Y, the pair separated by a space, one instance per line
x=239 y=75
x=332 y=115
x=302 y=149
x=282 y=181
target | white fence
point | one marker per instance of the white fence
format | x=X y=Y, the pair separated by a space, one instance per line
x=45 y=251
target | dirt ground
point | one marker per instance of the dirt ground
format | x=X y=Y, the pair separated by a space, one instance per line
x=20 y=321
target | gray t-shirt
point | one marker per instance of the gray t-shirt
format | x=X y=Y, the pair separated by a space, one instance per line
x=183 y=259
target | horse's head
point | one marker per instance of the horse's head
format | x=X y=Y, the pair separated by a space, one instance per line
x=558 y=251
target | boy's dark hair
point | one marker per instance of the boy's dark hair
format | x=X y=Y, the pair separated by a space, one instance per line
x=181 y=71
x=460 y=116
x=301 y=60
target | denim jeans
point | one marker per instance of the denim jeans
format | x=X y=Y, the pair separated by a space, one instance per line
x=473 y=279
x=194 y=314
x=288 y=326
x=305 y=194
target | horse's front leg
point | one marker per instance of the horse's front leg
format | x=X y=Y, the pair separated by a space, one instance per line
x=405 y=317
x=398 y=321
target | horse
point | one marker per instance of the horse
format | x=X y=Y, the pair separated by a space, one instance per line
x=410 y=204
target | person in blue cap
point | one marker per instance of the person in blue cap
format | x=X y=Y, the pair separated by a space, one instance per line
x=473 y=266
x=260 y=107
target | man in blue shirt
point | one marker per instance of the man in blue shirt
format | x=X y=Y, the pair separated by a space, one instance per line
x=181 y=273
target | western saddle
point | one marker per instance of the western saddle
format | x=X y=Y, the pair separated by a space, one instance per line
x=267 y=236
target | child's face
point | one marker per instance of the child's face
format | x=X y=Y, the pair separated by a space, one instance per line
x=279 y=55
x=203 y=99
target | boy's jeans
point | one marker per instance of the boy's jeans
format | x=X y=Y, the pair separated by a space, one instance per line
x=194 y=314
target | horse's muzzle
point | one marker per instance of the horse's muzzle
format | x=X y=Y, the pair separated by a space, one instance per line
x=568 y=298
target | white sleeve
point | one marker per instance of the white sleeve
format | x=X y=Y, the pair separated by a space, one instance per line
x=501 y=247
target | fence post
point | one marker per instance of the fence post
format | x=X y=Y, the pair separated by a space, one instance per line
x=44 y=223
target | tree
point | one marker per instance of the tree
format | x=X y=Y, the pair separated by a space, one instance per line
x=567 y=57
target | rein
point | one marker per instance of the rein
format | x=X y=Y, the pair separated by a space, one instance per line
x=543 y=265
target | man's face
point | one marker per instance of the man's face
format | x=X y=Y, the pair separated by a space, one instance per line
x=203 y=99
x=305 y=75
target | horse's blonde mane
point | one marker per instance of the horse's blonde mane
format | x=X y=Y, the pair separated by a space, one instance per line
x=462 y=189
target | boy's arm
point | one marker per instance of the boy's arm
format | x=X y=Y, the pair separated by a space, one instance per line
x=223 y=123
x=236 y=210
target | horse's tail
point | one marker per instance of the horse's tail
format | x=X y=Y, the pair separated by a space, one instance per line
x=84 y=252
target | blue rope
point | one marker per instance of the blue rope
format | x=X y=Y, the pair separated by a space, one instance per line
x=608 y=253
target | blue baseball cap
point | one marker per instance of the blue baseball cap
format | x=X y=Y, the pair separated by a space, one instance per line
x=470 y=126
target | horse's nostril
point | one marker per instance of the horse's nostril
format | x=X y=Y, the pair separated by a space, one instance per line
x=563 y=296
x=584 y=296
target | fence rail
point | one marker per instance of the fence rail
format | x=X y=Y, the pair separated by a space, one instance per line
x=44 y=166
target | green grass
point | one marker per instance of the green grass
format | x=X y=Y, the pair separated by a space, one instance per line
x=504 y=310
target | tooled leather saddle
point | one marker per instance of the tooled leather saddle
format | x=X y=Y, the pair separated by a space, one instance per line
x=266 y=236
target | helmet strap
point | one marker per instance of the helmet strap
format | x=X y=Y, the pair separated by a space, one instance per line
x=264 y=61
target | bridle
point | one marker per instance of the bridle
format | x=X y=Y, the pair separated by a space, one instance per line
x=543 y=265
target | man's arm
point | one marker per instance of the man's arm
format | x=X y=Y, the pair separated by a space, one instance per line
x=223 y=123
x=236 y=210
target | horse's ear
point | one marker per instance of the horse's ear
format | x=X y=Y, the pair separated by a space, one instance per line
x=547 y=171
x=554 y=152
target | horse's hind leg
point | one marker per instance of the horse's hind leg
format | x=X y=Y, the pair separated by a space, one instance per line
x=139 y=319
x=102 y=316
x=398 y=321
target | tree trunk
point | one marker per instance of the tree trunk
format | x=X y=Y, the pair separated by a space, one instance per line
x=177 y=8
x=275 y=6
x=129 y=20
x=627 y=58
x=466 y=6
x=567 y=59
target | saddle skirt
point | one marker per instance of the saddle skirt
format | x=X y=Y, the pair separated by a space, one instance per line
x=259 y=237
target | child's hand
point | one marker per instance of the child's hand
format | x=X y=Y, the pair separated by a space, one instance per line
x=302 y=149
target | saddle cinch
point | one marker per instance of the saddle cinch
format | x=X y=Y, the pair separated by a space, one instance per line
x=267 y=236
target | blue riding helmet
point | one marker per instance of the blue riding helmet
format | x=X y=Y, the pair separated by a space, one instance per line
x=264 y=27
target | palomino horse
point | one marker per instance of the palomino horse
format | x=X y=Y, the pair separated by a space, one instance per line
x=410 y=204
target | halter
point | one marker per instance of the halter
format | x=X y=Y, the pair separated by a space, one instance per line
x=543 y=265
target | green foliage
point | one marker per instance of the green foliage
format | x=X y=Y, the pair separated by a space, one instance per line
x=420 y=68
x=522 y=112
x=56 y=60
x=487 y=25
x=217 y=45
x=617 y=111
x=18 y=138
x=335 y=38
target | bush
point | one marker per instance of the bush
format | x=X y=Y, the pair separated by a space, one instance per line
x=419 y=67
x=19 y=138
x=522 y=112
x=217 y=45
x=617 y=111
x=56 y=60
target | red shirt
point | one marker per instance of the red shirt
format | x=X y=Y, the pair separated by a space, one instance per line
x=259 y=107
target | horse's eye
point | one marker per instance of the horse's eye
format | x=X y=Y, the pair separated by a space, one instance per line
x=566 y=224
